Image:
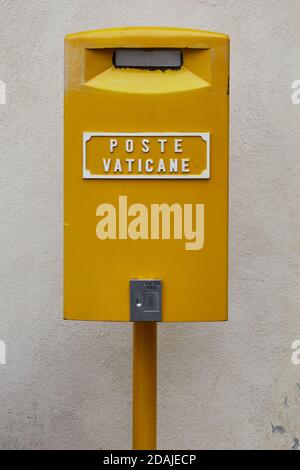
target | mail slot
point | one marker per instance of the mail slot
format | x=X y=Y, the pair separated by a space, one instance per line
x=146 y=175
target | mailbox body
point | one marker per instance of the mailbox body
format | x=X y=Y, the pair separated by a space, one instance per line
x=115 y=114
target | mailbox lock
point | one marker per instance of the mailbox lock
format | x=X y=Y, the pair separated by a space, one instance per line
x=145 y=300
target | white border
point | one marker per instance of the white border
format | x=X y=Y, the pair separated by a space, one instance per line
x=88 y=135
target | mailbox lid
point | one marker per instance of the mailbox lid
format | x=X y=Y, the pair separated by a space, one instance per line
x=147 y=36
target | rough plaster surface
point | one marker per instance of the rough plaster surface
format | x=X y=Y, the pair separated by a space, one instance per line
x=68 y=384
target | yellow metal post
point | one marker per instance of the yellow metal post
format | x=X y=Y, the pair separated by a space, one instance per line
x=144 y=385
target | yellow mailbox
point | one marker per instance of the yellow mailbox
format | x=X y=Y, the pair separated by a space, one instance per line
x=146 y=175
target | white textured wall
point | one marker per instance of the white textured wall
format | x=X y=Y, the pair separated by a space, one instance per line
x=68 y=384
